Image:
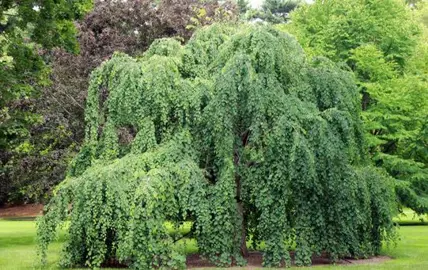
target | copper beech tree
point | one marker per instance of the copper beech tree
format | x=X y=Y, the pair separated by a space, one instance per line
x=237 y=132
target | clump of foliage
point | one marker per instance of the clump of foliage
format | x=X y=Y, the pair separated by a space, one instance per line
x=384 y=44
x=235 y=131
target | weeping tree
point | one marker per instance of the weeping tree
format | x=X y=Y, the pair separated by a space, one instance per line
x=236 y=132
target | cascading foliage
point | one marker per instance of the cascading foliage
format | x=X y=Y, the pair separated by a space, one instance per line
x=236 y=132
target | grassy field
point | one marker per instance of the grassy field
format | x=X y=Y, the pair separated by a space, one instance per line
x=17 y=248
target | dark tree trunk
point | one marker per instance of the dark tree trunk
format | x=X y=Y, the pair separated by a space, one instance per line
x=243 y=243
x=365 y=101
x=240 y=204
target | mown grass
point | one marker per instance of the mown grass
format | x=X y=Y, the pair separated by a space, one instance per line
x=18 y=250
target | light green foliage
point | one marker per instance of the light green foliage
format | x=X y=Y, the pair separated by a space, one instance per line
x=333 y=28
x=384 y=44
x=235 y=131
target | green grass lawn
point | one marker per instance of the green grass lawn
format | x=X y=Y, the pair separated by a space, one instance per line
x=17 y=248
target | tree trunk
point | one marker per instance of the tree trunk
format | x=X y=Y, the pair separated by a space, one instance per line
x=243 y=242
x=365 y=100
x=239 y=204
x=241 y=212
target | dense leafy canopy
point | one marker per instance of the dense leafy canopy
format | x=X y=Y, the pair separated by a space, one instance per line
x=385 y=44
x=237 y=132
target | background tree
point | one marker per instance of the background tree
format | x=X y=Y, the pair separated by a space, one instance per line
x=235 y=131
x=26 y=27
x=273 y=11
x=280 y=6
x=243 y=5
x=381 y=42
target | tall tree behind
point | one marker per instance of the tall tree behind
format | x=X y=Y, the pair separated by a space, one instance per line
x=128 y=27
x=243 y=6
x=26 y=28
x=280 y=6
x=273 y=11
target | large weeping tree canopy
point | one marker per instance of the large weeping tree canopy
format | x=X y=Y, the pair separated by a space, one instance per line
x=236 y=132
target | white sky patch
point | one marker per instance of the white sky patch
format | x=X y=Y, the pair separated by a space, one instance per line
x=256 y=3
